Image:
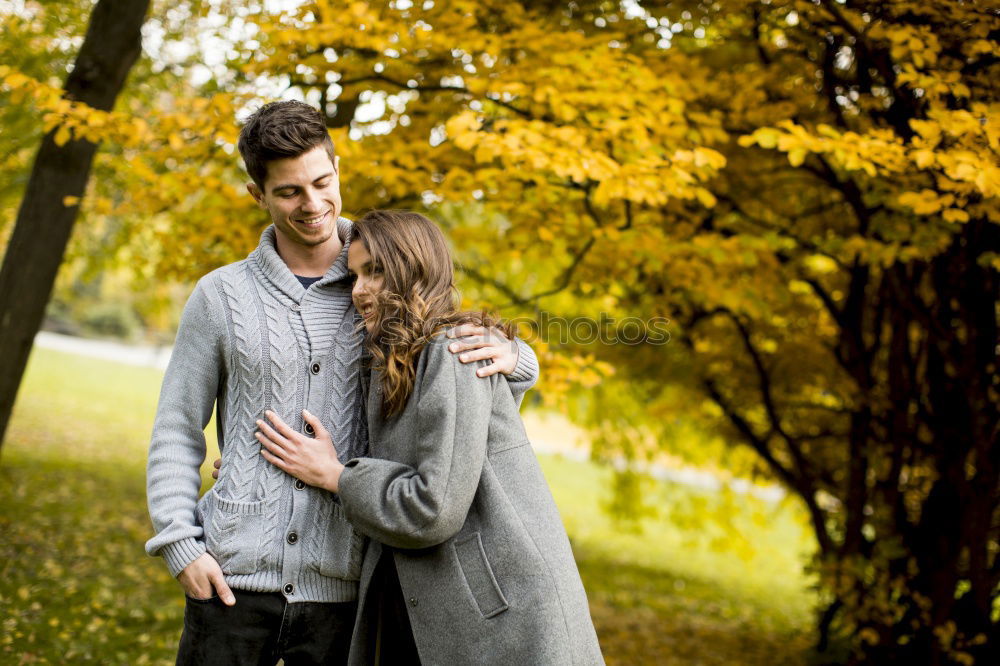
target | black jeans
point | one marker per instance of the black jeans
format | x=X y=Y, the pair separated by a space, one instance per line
x=391 y=642
x=263 y=628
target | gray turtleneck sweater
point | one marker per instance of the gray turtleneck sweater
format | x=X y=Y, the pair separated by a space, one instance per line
x=252 y=338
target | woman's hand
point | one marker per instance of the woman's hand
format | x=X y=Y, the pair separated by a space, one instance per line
x=312 y=460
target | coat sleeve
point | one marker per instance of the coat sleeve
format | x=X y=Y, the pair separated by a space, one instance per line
x=177 y=448
x=420 y=506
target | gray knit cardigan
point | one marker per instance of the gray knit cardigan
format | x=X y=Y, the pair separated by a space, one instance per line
x=252 y=338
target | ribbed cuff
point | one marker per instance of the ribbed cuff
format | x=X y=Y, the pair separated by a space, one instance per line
x=181 y=553
x=527 y=364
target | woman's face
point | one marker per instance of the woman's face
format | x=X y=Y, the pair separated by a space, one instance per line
x=368 y=281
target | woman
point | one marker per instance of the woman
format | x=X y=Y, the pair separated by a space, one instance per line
x=469 y=562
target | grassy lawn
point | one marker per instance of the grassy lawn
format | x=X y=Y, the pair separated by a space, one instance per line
x=708 y=578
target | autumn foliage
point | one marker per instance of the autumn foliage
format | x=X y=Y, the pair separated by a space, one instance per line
x=807 y=190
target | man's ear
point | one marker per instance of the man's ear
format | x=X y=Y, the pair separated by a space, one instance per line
x=257 y=195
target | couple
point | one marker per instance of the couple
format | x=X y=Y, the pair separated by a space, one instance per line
x=332 y=431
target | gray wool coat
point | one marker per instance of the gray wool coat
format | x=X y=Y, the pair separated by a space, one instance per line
x=486 y=566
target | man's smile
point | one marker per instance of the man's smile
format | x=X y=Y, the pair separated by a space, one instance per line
x=314 y=221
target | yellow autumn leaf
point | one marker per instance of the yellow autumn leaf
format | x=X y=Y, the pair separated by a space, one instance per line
x=706 y=198
x=955 y=215
x=797 y=156
x=462 y=123
x=16 y=80
x=923 y=158
x=62 y=136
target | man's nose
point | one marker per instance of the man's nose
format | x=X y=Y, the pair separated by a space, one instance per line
x=311 y=202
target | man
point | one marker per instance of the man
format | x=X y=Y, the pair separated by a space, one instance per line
x=269 y=565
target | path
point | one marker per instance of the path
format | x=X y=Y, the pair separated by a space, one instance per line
x=548 y=433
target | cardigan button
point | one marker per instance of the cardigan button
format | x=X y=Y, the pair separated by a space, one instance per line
x=413 y=601
x=292 y=538
x=315 y=368
x=299 y=484
x=289 y=588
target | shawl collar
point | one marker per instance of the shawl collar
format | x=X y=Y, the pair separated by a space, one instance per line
x=276 y=271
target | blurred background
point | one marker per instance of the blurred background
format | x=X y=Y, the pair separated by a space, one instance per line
x=753 y=242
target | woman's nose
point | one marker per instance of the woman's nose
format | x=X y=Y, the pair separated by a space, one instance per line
x=359 y=286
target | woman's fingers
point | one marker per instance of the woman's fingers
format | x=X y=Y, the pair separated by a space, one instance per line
x=266 y=432
x=279 y=424
x=310 y=418
x=270 y=445
x=277 y=461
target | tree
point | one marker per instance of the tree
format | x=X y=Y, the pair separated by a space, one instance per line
x=57 y=182
x=807 y=189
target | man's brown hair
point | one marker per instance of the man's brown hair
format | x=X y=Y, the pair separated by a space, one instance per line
x=280 y=130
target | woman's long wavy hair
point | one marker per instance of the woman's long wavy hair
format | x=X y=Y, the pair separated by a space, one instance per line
x=418 y=299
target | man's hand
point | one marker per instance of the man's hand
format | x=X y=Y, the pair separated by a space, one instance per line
x=203 y=578
x=477 y=343
x=313 y=461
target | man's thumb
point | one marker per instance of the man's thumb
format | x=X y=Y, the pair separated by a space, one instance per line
x=223 y=590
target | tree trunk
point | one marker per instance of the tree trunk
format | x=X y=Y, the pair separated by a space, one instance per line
x=930 y=599
x=110 y=48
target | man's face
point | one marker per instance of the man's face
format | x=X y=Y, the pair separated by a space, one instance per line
x=302 y=195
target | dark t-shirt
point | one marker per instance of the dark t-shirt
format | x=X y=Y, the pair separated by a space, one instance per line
x=307 y=281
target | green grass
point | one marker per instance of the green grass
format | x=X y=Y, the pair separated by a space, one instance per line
x=710 y=578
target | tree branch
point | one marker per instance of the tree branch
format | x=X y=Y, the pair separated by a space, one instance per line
x=434 y=88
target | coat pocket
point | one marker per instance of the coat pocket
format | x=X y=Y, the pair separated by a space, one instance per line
x=232 y=532
x=342 y=547
x=479 y=576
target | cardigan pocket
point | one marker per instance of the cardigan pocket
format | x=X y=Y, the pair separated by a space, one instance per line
x=479 y=576
x=342 y=547
x=232 y=532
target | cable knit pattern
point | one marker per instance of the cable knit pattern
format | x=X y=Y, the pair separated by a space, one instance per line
x=245 y=390
x=285 y=364
x=342 y=401
x=272 y=345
